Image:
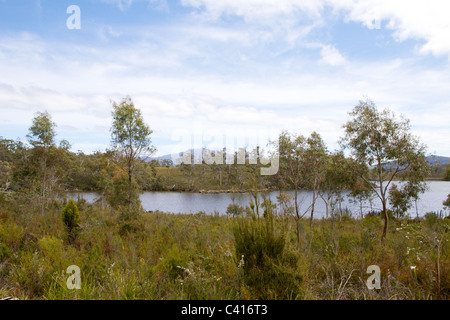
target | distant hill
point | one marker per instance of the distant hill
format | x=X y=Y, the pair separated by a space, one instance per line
x=164 y=157
x=175 y=157
x=433 y=160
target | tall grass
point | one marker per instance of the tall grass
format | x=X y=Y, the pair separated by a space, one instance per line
x=199 y=256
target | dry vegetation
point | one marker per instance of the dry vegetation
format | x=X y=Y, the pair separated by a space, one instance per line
x=199 y=256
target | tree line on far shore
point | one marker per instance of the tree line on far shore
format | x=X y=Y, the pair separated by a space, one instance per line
x=381 y=147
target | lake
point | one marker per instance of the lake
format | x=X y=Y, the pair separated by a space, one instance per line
x=183 y=202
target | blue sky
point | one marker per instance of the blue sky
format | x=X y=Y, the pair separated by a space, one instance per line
x=245 y=69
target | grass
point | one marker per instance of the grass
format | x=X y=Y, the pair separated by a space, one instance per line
x=198 y=256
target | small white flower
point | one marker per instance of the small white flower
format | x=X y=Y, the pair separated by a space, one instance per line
x=241 y=263
x=413 y=267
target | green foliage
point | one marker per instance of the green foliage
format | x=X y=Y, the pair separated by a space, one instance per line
x=52 y=248
x=234 y=210
x=117 y=194
x=42 y=132
x=129 y=132
x=41 y=137
x=447 y=173
x=125 y=253
x=5 y=252
x=268 y=266
x=200 y=256
x=431 y=217
x=379 y=139
x=399 y=200
x=5 y=175
x=446 y=202
x=131 y=136
x=71 y=220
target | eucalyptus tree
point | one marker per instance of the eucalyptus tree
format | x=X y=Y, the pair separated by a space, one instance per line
x=314 y=166
x=380 y=140
x=5 y=175
x=339 y=176
x=399 y=200
x=42 y=137
x=167 y=163
x=291 y=152
x=131 y=136
x=447 y=173
x=10 y=152
x=446 y=203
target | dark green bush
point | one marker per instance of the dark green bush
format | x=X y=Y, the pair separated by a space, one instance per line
x=234 y=210
x=71 y=219
x=268 y=266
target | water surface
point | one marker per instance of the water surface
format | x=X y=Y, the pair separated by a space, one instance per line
x=183 y=202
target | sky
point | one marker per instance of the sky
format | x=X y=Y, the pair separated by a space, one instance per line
x=223 y=73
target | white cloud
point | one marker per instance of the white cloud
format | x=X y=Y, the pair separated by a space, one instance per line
x=122 y=4
x=229 y=76
x=125 y=4
x=261 y=11
x=426 y=21
x=331 y=56
x=409 y=19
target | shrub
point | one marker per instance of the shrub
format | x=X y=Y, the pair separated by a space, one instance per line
x=52 y=248
x=5 y=252
x=268 y=267
x=71 y=219
x=234 y=210
x=446 y=202
x=431 y=218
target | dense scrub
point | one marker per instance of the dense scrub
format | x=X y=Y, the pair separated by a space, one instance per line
x=199 y=256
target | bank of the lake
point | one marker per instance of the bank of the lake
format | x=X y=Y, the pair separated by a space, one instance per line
x=187 y=202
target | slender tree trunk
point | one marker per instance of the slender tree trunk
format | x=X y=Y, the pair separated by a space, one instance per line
x=312 y=208
x=297 y=220
x=417 y=212
x=44 y=182
x=296 y=203
x=361 y=209
x=327 y=202
x=383 y=201
x=386 y=221
x=130 y=187
x=130 y=176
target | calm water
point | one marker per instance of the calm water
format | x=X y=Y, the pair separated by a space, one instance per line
x=181 y=202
